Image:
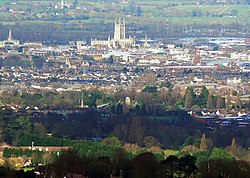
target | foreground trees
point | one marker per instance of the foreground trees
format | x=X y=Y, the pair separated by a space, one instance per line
x=142 y=166
x=146 y=165
x=224 y=168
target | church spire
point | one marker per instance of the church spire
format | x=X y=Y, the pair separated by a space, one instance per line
x=10 y=36
x=82 y=106
x=62 y=4
x=146 y=41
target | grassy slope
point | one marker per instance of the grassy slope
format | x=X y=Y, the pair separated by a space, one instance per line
x=153 y=12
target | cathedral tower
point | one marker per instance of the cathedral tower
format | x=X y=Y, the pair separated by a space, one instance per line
x=122 y=26
x=119 y=29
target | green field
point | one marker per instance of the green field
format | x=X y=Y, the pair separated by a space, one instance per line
x=180 y=12
x=169 y=152
x=27 y=169
x=100 y=15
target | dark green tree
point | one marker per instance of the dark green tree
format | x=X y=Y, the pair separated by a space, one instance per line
x=218 y=153
x=209 y=103
x=201 y=99
x=144 y=165
x=189 y=98
x=111 y=59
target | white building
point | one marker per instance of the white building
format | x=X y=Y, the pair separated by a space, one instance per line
x=119 y=40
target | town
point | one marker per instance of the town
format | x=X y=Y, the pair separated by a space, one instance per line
x=123 y=93
x=221 y=64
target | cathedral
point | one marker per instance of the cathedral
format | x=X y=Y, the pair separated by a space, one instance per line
x=119 y=40
x=10 y=42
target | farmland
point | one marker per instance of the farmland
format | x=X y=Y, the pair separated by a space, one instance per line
x=156 y=18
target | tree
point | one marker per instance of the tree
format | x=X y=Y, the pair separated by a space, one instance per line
x=189 y=97
x=210 y=101
x=203 y=144
x=150 y=141
x=228 y=100
x=138 y=11
x=188 y=141
x=174 y=167
x=131 y=6
x=233 y=148
x=38 y=62
x=117 y=108
x=190 y=149
x=2 y=134
x=132 y=148
x=120 y=164
x=36 y=158
x=234 y=12
x=144 y=165
x=99 y=168
x=150 y=89
x=224 y=168
x=114 y=141
x=136 y=131
x=111 y=59
x=187 y=164
x=233 y=145
x=68 y=161
x=40 y=129
x=210 y=144
x=218 y=153
x=202 y=98
x=48 y=98
x=15 y=60
x=150 y=102
x=148 y=78
x=201 y=157
x=47 y=158
x=220 y=102
x=238 y=103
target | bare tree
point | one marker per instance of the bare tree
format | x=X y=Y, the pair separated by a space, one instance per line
x=203 y=144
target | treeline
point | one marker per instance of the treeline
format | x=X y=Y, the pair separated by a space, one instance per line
x=54 y=99
x=143 y=134
x=49 y=33
x=213 y=100
x=173 y=130
x=143 y=165
x=151 y=101
x=118 y=157
x=147 y=165
x=22 y=61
